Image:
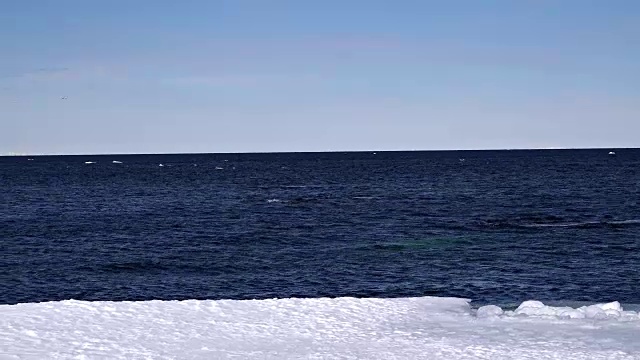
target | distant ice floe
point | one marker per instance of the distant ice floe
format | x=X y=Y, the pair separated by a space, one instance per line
x=398 y=328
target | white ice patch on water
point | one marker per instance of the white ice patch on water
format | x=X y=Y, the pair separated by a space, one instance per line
x=345 y=328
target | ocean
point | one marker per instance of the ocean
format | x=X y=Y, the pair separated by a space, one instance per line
x=497 y=227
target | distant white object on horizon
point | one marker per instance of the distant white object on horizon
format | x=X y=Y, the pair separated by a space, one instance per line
x=89 y=162
x=117 y=162
x=161 y=165
x=374 y=328
x=612 y=153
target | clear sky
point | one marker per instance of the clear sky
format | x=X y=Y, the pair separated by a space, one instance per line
x=150 y=76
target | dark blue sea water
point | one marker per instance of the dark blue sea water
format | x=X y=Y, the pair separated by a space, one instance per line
x=497 y=227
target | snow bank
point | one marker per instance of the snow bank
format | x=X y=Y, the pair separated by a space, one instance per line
x=406 y=328
x=612 y=310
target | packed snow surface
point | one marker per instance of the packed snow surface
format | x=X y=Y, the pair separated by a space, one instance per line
x=341 y=328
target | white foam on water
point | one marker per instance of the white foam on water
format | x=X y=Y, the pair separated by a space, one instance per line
x=274 y=200
x=625 y=222
x=116 y=162
x=345 y=328
x=89 y=162
x=585 y=223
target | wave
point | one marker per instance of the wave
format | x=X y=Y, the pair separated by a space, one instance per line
x=555 y=222
x=141 y=266
x=310 y=186
x=587 y=224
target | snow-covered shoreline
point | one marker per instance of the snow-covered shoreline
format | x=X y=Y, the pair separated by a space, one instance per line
x=400 y=328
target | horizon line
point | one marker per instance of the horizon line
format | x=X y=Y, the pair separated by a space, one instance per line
x=318 y=152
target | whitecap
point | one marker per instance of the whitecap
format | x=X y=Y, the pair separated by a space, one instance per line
x=624 y=222
x=582 y=224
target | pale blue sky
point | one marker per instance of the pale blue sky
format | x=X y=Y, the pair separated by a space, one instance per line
x=272 y=75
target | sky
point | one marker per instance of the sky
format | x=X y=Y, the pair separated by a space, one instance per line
x=160 y=76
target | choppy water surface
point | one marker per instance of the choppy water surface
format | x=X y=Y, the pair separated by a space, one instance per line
x=493 y=226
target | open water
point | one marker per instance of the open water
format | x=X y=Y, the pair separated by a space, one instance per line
x=494 y=226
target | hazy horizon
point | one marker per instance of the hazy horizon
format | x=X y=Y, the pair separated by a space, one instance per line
x=321 y=151
x=247 y=76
